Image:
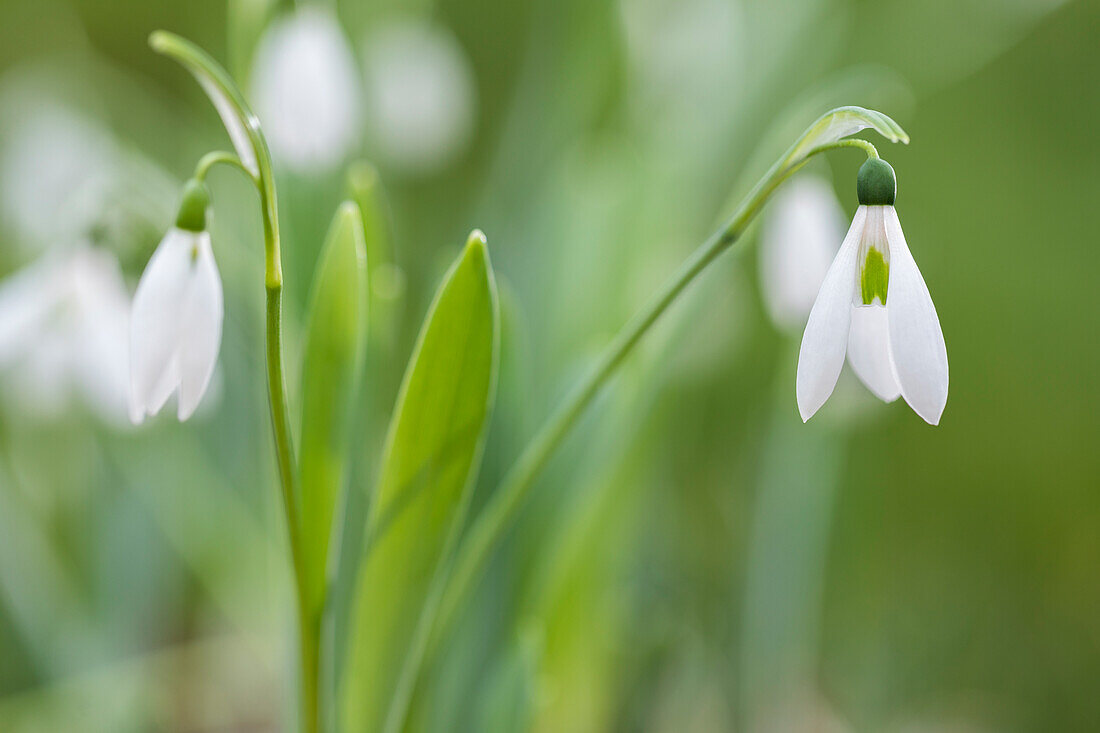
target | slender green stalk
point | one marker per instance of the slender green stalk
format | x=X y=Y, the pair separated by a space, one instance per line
x=309 y=627
x=509 y=497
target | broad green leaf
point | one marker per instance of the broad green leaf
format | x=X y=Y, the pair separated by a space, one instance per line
x=336 y=331
x=433 y=450
x=240 y=123
x=840 y=123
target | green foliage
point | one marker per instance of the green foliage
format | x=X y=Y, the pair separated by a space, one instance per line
x=840 y=123
x=432 y=453
x=336 y=332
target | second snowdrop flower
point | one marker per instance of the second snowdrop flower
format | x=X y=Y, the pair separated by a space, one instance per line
x=176 y=322
x=875 y=307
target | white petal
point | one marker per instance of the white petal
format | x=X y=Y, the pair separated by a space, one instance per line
x=154 y=323
x=821 y=356
x=916 y=341
x=307 y=90
x=869 y=351
x=200 y=328
x=798 y=241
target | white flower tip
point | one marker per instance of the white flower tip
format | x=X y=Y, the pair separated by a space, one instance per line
x=931 y=414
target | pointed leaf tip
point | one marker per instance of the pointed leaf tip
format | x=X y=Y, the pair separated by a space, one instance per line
x=476 y=238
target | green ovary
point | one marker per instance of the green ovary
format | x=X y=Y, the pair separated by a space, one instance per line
x=873 y=277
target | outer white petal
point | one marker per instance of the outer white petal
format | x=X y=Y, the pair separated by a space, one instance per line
x=821 y=356
x=869 y=351
x=798 y=242
x=154 y=323
x=307 y=90
x=200 y=328
x=916 y=341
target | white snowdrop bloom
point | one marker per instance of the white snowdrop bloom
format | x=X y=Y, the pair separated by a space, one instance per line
x=176 y=320
x=56 y=168
x=307 y=90
x=63 y=334
x=874 y=306
x=420 y=95
x=798 y=240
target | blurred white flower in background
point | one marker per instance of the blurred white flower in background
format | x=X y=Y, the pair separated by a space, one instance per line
x=420 y=95
x=56 y=168
x=800 y=234
x=63 y=334
x=307 y=91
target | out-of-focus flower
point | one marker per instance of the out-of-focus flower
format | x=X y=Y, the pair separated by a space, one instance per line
x=63 y=333
x=307 y=90
x=56 y=168
x=176 y=322
x=420 y=95
x=875 y=306
x=798 y=241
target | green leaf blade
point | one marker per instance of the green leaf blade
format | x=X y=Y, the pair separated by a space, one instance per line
x=432 y=455
x=332 y=366
x=840 y=123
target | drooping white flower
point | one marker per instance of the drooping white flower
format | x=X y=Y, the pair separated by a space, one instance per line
x=63 y=334
x=56 y=168
x=176 y=321
x=875 y=307
x=307 y=90
x=420 y=95
x=798 y=240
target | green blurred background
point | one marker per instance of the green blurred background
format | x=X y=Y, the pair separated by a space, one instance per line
x=695 y=559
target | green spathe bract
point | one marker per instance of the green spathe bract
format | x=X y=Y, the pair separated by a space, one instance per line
x=876 y=184
x=432 y=454
x=874 y=276
x=332 y=365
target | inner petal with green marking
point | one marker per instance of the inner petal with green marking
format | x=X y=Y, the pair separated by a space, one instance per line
x=873 y=260
x=874 y=275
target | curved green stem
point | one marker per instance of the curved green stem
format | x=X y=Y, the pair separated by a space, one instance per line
x=509 y=497
x=216 y=157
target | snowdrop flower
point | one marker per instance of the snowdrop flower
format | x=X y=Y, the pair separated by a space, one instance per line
x=176 y=321
x=420 y=95
x=56 y=168
x=307 y=90
x=63 y=333
x=875 y=307
x=798 y=241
